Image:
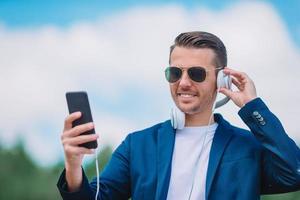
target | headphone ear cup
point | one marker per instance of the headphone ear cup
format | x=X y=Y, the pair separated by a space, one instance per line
x=223 y=80
x=173 y=118
x=177 y=118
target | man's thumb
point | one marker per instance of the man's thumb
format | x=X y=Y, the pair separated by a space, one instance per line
x=226 y=92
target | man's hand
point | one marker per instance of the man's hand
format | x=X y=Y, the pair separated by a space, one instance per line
x=246 y=88
x=70 y=139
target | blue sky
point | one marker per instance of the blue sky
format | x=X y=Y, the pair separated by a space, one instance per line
x=50 y=47
x=34 y=13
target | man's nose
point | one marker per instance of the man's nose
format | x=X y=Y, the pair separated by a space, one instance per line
x=185 y=80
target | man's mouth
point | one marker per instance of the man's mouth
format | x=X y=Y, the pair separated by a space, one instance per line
x=186 y=95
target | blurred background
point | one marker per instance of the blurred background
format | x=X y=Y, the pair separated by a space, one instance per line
x=117 y=52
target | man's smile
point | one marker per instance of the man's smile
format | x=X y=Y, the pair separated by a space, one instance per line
x=186 y=95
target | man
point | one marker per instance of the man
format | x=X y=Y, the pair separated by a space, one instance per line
x=207 y=159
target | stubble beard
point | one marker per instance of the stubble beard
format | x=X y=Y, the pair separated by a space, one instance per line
x=203 y=106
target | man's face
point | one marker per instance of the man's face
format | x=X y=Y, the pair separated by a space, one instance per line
x=189 y=96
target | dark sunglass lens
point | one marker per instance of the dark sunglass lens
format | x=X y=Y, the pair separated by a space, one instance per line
x=197 y=74
x=173 y=74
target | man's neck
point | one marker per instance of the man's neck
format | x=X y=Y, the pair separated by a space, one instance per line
x=199 y=119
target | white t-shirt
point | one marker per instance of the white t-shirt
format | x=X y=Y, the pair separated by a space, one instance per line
x=187 y=149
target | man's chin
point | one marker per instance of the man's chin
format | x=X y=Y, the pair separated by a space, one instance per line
x=188 y=109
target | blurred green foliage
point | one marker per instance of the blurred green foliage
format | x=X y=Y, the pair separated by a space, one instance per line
x=23 y=179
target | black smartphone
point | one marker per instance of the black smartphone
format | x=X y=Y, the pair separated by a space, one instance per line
x=78 y=101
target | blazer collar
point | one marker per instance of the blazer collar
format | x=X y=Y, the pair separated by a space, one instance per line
x=165 y=146
x=221 y=138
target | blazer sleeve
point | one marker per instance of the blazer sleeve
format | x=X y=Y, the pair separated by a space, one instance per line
x=114 y=180
x=280 y=159
x=84 y=191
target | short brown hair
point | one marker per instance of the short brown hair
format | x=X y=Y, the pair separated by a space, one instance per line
x=200 y=39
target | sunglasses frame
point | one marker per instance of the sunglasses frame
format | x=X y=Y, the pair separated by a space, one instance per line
x=187 y=69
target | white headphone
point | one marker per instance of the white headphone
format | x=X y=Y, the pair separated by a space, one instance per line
x=178 y=117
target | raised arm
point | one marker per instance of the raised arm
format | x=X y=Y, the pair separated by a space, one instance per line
x=280 y=155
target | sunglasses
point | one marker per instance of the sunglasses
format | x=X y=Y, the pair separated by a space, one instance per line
x=197 y=74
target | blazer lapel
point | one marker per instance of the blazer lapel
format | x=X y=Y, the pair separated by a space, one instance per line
x=220 y=141
x=165 y=145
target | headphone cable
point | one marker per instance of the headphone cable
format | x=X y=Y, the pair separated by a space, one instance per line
x=203 y=143
x=97 y=173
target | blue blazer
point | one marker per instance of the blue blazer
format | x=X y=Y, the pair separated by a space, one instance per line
x=242 y=164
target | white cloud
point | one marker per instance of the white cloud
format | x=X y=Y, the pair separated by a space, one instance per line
x=130 y=50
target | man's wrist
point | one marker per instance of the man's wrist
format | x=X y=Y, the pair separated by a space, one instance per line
x=248 y=101
x=74 y=178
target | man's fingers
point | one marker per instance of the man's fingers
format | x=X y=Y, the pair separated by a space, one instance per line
x=75 y=150
x=226 y=92
x=75 y=141
x=237 y=74
x=70 y=118
x=77 y=130
x=237 y=83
